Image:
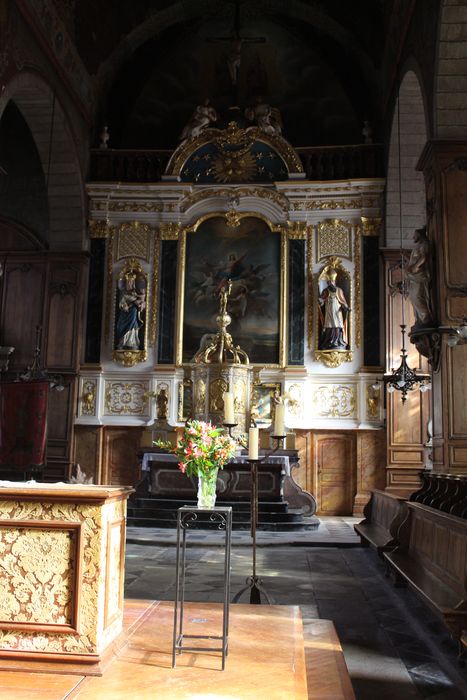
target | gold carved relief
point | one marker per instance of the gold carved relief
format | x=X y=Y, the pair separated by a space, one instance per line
x=309 y=255
x=335 y=401
x=237 y=192
x=372 y=402
x=133 y=240
x=334 y=238
x=294 y=399
x=170 y=230
x=36 y=581
x=358 y=293
x=88 y=397
x=126 y=398
x=200 y=397
x=240 y=396
x=50 y=590
x=327 y=204
x=100 y=229
x=370 y=227
x=216 y=391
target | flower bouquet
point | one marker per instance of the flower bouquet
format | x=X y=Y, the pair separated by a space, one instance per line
x=202 y=449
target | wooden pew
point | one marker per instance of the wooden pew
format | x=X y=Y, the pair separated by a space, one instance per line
x=384 y=513
x=432 y=559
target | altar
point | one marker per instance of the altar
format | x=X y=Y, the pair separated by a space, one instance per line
x=61 y=574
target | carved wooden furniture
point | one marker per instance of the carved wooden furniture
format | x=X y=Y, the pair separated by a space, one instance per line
x=432 y=559
x=62 y=572
x=446 y=492
x=384 y=514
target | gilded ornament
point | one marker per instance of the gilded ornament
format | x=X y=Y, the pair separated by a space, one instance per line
x=109 y=290
x=232 y=218
x=370 y=227
x=333 y=358
x=133 y=240
x=170 y=230
x=297 y=230
x=37 y=576
x=88 y=397
x=237 y=192
x=216 y=392
x=125 y=205
x=99 y=229
x=234 y=166
x=200 y=397
x=155 y=290
x=334 y=238
x=126 y=398
x=357 y=277
x=309 y=251
x=372 y=402
x=335 y=401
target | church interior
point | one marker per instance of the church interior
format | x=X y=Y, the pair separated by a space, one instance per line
x=317 y=149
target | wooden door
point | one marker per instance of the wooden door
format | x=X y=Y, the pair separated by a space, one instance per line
x=120 y=457
x=334 y=463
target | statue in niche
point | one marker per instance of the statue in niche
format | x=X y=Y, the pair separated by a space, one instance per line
x=131 y=307
x=419 y=278
x=162 y=401
x=201 y=118
x=333 y=313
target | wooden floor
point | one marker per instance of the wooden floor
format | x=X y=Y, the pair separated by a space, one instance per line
x=270 y=658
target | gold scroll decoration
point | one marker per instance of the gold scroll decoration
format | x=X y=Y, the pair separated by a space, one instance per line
x=335 y=401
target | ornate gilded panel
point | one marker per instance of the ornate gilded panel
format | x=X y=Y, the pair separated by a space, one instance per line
x=88 y=397
x=133 y=240
x=37 y=574
x=126 y=398
x=338 y=401
x=216 y=391
x=334 y=237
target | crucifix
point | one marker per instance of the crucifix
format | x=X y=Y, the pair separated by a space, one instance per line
x=234 y=53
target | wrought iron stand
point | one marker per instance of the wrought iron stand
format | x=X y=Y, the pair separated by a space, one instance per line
x=188 y=518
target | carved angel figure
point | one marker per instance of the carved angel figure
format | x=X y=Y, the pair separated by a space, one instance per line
x=201 y=118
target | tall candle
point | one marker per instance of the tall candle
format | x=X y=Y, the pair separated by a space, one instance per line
x=253 y=436
x=228 y=407
x=279 y=420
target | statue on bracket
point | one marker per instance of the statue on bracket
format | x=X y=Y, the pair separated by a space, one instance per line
x=130 y=315
x=419 y=278
x=334 y=290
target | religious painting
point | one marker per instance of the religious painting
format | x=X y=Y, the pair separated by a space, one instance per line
x=130 y=330
x=334 y=313
x=262 y=402
x=249 y=254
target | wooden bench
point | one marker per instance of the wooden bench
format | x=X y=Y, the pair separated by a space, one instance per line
x=432 y=559
x=384 y=513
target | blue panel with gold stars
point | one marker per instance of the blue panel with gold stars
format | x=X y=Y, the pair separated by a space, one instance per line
x=233 y=164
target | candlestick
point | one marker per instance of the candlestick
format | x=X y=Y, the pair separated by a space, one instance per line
x=228 y=407
x=279 y=419
x=253 y=436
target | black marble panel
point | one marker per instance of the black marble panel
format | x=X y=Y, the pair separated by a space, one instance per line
x=95 y=301
x=167 y=299
x=371 y=302
x=296 y=292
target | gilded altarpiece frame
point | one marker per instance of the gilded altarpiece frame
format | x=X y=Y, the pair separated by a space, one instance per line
x=253 y=252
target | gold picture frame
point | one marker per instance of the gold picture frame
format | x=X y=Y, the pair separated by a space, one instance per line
x=217 y=235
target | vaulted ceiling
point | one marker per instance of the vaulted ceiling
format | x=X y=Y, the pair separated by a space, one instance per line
x=318 y=61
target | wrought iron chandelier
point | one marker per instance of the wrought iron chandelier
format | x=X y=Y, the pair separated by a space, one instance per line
x=403 y=379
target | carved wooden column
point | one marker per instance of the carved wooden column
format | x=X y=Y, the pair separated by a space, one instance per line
x=406 y=422
x=444 y=164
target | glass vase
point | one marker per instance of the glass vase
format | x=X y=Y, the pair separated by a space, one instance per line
x=207 y=490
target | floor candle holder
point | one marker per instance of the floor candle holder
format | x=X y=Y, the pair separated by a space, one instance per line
x=253 y=583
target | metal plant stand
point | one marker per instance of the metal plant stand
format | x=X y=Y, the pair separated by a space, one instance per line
x=188 y=518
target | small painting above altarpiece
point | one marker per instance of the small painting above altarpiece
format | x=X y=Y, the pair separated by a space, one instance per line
x=251 y=256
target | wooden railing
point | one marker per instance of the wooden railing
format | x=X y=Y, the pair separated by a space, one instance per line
x=319 y=163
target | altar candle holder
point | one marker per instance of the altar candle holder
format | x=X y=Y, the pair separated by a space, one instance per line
x=253 y=583
x=230 y=427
